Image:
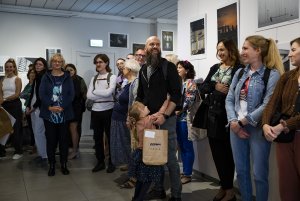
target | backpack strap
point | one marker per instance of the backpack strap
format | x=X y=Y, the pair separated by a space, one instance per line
x=266 y=79
x=108 y=78
x=94 y=81
x=165 y=68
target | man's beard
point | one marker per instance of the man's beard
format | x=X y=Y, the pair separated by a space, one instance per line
x=153 y=59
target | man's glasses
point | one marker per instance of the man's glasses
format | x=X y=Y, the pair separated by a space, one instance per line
x=140 y=55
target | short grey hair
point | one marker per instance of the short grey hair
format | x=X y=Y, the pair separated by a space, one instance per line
x=133 y=65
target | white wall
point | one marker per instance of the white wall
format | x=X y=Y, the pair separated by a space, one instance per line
x=187 y=12
x=30 y=35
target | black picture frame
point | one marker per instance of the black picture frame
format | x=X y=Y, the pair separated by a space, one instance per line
x=118 y=40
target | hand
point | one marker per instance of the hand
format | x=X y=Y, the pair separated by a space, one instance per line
x=234 y=126
x=238 y=130
x=29 y=110
x=158 y=118
x=55 y=109
x=268 y=132
x=243 y=134
x=222 y=87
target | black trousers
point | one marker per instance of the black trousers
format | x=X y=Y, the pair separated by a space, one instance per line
x=101 y=124
x=14 y=108
x=222 y=155
x=56 y=133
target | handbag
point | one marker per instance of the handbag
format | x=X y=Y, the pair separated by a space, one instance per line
x=282 y=137
x=200 y=120
x=194 y=133
x=7 y=122
x=89 y=104
x=155 y=147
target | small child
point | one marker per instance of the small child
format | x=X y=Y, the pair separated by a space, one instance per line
x=139 y=119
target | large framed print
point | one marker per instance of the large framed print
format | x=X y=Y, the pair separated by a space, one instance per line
x=167 y=40
x=198 y=37
x=228 y=21
x=24 y=62
x=276 y=13
x=118 y=40
x=3 y=59
x=136 y=46
x=50 y=52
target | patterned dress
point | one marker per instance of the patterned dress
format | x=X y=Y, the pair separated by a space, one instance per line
x=137 y=169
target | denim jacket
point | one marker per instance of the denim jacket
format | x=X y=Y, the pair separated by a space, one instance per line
x=255 y=105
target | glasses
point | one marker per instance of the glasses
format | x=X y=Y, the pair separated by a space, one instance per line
x=57 y=61
x=140 y=55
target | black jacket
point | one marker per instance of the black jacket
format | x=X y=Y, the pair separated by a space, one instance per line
x=217 y=118
x=153 y=92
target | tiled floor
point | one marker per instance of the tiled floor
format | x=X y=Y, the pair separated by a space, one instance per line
x=22 y=180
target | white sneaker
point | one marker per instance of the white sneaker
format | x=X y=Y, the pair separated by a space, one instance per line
x=17 y=156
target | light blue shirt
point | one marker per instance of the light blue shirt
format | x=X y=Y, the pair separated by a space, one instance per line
x=255 y=105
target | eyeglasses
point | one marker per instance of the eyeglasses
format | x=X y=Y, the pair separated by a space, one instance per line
x=140 y=55
x=55 y=61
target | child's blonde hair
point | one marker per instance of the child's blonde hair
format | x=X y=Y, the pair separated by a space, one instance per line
x=134 y=113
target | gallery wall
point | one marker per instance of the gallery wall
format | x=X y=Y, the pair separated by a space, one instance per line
x=248 y=18
x=29 y=35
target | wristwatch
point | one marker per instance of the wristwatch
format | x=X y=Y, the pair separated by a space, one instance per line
x=241 y=124
x=166 y=116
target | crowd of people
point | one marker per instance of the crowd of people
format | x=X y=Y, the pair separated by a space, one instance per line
x=243 y=94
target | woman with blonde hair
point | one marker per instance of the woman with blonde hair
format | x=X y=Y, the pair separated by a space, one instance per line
x=249 y=92
x=56 y=93
x=10 y=89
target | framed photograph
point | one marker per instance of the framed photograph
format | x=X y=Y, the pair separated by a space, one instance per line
x=136 y=46
x=228 y=22
x=167 y=40
x=50 y=52
x=24 y=62
x=198 y=37
x=3 y=59
x=118 y=40
x=277 y=13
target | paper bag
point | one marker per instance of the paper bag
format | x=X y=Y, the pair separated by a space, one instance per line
x=6 y=122
x=155 y=147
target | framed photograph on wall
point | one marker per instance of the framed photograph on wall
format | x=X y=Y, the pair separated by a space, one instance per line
x=3 y=59
x=136 y=46
x=167 y=38
x=228 y=22
x=24 y=62
x=276 y=13
x=50 y=52
x=118 y=40
x=198 y=37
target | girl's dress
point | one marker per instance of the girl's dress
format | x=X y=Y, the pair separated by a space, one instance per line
x=137 y=169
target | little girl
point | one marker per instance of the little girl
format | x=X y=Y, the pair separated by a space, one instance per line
x=139 y=120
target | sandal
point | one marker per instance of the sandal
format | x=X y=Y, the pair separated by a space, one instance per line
x=185 y=179
x=130 y=183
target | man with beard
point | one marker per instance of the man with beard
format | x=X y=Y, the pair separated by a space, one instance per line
x=154 y=86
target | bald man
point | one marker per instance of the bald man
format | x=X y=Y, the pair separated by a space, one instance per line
x=154 y=86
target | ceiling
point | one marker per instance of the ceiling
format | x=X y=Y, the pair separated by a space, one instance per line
x=144 y=9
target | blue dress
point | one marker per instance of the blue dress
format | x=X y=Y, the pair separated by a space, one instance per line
x=119 y=133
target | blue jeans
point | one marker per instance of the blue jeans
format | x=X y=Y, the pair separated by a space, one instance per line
x=259 y=148
x=173 y=166
x=186 y=147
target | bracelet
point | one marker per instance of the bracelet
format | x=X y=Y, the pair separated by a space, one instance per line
x=241 y=124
